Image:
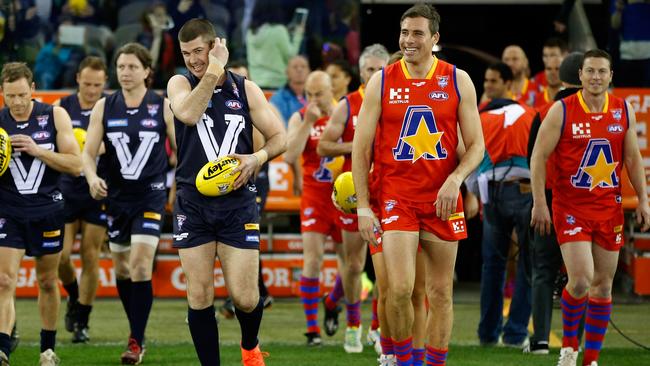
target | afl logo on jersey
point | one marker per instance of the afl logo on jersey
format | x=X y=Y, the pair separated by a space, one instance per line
x=233 y=104
x=149 y=123
x=41 y=135
x=438 y=95
x=615 y=128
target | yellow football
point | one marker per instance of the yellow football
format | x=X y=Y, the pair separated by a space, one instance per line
x=344 y=194
x=5 y=150
x=216 y=177
x=80 y=136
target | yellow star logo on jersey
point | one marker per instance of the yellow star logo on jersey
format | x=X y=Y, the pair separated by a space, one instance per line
x=423 y=142
x=601 y=171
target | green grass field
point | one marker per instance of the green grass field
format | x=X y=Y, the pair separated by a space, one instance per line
x=169 y=343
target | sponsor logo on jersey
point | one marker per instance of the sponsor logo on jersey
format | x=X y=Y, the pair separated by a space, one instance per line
x=418 y=83
x=57 y=196
x=158 y=186
x=309 y=222
x=389 y=205
x=615 y=128
x=570 y=220
x=51 y=244
x=86 y=113
x=235 y=90
x=51 y=234
x=152 y=109
x=398 y=96
x=76 y=122
x=308 y=211
x=456 y=216
x=458 y=227
x=438 y=95
x=618 y=199
x=150 y=225
x=180 y=219
x=617 y=114
x=574 y=231
x=235 y=105
x=346 y=220
x=41 y=135
x=152 y=215
x=388 y=220
x=113 y=234
x=22 y=126
x=42 y=120
x=251 y=226
x=3 y=235
x=597 y=117
x=149 y=123
x=618 y=228
x=253 y=238
x=443 y=80
x=619 y=238
x=181 y=236
x=132 y=111
x=581 y=130
x=122 y=122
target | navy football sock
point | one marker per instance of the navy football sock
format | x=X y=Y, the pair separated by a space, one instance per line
x=141 y=300
x=72 y=289
x=5 y=343
x=250 y=325
x=124 y=290
x=205 y=334
x=48 y=340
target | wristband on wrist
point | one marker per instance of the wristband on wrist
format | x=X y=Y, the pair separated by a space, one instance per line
x=364 y=212
x=262 y=156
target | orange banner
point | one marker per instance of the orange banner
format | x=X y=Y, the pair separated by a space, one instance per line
x=281 y=276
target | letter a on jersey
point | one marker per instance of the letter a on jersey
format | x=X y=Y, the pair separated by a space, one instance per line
x=419 y=137
x=597 y=168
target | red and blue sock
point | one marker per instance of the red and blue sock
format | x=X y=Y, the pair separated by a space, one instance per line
x=572 y=311
x=309 y=294
x=386 y=345
x=375 y=319
x=598 y=314
x=353 y=314
x=436 y=357
x=335 y=295
x=418 y=356
x=404 y=351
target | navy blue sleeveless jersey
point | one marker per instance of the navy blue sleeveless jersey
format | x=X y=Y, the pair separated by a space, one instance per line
x=136 y=159
x=225 y=128
x=29 y=188
x=77 y=187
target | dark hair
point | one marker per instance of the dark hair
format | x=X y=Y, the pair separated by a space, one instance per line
x=344 y=66
x=503 y=70
x=596 y=53
x=94 y=63
x=557 y=42
x=13 y=71
x=138 y=50
x=267 y=11
x=424 y=11
x=197 y=27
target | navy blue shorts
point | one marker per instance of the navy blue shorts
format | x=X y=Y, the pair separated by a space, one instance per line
x=195 y=225
x=87 y=209
x=139 y=218
x=38 y=236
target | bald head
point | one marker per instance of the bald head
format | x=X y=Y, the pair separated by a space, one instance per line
x=515 y=57
x=319 y=89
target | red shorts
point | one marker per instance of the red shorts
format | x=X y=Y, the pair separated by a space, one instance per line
x=569 y=227
x=414 y=216
x=347 y=222
x=318 y=214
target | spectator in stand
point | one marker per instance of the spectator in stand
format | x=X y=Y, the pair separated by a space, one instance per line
x=22 y=37
x=630 y=18
x=290 y=98
x=181 y=12
x=270 y=46
x=156 y=38
x=342 y=75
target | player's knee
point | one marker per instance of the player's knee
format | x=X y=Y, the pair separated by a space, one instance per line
x=401 y=293
x=601 y=290
x=418 y=295
x=200 y=297
x=7 y=284
x=47 y=282
x=89 y=258
x=354 y=267
x=247 y=302
x=579 y=286
x=440 y=293
x=140 y=271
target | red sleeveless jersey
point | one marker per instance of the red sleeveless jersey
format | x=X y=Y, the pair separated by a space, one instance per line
x=416 y=145
x=317 y=172
x=506 y=131
x=542 y=99
x=354 y=101
x=589 y=157
x=550 y=162
x=527 y=93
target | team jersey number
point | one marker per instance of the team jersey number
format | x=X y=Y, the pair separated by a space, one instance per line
x=28 y=181
x=235 y=124
x=131 y=165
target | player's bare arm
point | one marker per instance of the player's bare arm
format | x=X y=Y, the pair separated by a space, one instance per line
x=636 y=171
x=189 y=104
x=364 y=136
x=329 y=145
x=472 y=137
x=98 y=187
x=271 y=128
x=547 y=138
x=67 y=159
